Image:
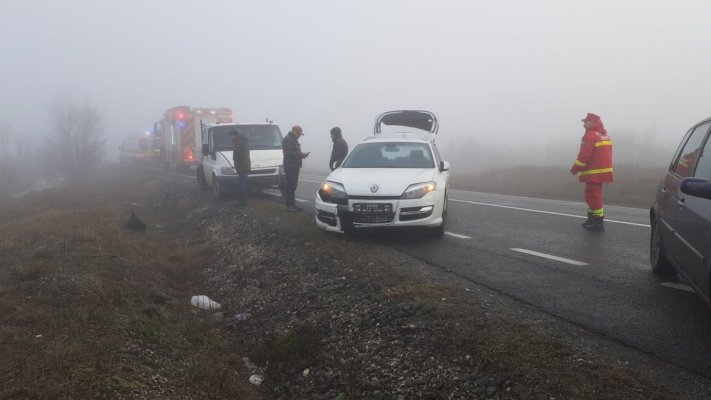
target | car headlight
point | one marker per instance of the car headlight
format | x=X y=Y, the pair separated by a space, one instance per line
x=418 y=190
x=281 y=170
x=228 y=171
x=333 y=192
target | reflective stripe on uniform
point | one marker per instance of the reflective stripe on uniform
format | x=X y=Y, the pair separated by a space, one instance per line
x=580 y=163
x=603 y=143
x=598 y=213
x=596 y=171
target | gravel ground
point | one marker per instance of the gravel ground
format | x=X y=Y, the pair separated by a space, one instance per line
x=333 y=317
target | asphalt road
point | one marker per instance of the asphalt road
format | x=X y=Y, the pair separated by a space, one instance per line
x=534 y=250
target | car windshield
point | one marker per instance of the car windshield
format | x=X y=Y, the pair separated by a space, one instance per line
x=261 y=137
x=390 y=155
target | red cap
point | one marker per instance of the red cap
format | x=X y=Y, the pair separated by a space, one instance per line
x=591 y=117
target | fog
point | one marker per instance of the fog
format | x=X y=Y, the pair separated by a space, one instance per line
x=508 y=80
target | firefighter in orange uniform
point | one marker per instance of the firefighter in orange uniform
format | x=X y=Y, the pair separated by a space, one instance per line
x=594 y=166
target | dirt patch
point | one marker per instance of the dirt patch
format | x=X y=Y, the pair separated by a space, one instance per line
x=91 y=310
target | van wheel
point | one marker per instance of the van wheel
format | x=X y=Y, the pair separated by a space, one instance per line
x=216 y=189
x=201 y=179
x=658 y=260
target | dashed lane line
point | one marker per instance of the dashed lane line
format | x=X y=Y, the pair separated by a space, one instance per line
x=272 y=193
x=545 y=212
x=678 y=286
x=456 y=235
x=550 y=257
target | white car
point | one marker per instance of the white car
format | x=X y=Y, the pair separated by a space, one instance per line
x=388 y=180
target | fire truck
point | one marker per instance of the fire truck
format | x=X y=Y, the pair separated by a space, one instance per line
x=176 y=137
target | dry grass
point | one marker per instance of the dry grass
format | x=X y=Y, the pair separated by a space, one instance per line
x=86 y=305
x=633 y=186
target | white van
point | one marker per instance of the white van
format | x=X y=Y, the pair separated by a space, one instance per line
x=216 y=170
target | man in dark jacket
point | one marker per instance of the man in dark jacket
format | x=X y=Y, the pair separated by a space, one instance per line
x=340 y=148
x=293 y=158
x=242 y=162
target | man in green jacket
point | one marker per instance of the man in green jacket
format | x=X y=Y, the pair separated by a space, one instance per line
x=293 y=158
x=243 y=164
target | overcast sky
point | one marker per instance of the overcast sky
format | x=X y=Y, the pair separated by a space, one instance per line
x=510 y=73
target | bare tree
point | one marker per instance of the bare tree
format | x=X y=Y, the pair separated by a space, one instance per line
x=76 y=140
x=5 y=136
x=18 y=167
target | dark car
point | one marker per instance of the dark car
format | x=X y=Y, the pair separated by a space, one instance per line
x=681 y=215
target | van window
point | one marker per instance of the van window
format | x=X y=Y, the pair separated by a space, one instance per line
x=260 y=137
x=689 y=155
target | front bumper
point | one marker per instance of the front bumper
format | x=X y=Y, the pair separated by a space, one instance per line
x=424 y=212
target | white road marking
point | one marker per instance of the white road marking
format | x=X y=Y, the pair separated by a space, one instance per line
x=677 y=286
x=545 y=212
x=550 y=257
x=456 y=235
x=272 y=193
x=306 y=180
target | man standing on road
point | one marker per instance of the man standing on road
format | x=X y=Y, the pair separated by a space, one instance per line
x=243 y=164
x=293 y=159
x=340 y=148
x=594 y=164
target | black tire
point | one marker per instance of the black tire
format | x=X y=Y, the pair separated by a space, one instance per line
x=216 y=189
x=658 y=260
x=201 y=179
x=446 y=204
x=438 y=232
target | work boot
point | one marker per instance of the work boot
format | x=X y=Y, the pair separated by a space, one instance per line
x=596 y=224
x=589 y=220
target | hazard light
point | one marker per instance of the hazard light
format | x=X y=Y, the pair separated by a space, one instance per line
x=181 y=116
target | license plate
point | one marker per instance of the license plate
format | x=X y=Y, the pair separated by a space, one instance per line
x=372 y=208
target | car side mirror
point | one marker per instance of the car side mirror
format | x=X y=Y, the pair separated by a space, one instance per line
x=205 y=149
x=443 y=166
x=697 y=187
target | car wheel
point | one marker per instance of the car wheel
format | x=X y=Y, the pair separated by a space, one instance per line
x=658 y=260
x=446 y=204
x=201 y=179
x=216 y=189
x=438 y=232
